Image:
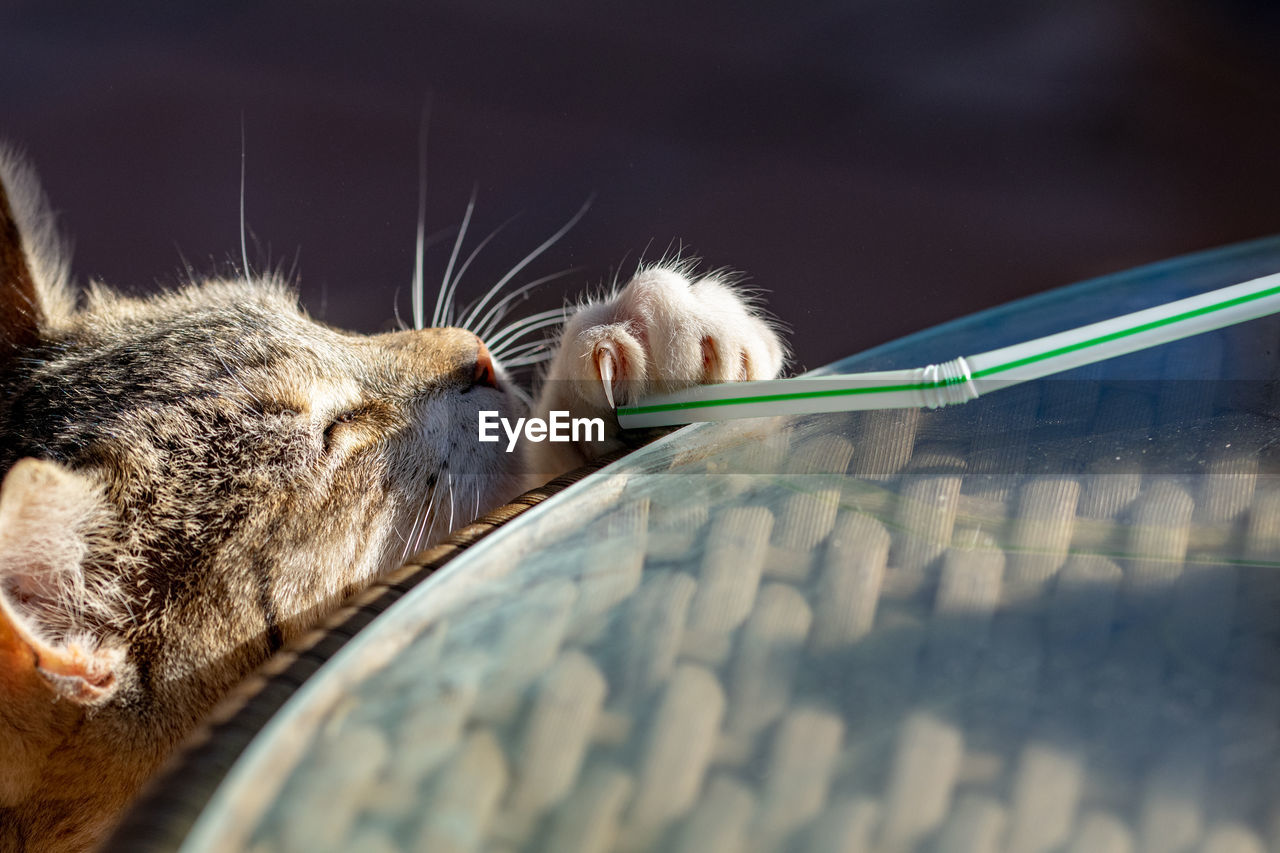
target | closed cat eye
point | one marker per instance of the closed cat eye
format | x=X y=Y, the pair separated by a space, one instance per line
x=334 y=425
x=343 y=419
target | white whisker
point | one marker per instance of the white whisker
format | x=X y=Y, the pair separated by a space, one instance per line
x=524 y=327
x=500 y=308
x=244 y=246
x=415 y=534
x=406 y=539
x=419 y=296
x=476 y=251
x=527 y=361
x=416 y=540
x=447 y=287
x=474 y=308
x=516 y=325
x=417 y=285
x=450 y=489
x=426 y=534
x=404 y=550
x=395 y=310
x=527 y=349
x=432 y=515
x=425 y=531
x=529 y=258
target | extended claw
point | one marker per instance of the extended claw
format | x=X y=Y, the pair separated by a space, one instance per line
x=605 y=365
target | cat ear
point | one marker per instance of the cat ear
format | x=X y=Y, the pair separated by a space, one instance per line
x=20 y=313
x=49 y=519
x=51 y=667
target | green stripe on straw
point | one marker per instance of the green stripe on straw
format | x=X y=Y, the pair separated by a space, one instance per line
x=795 y=395
x=1124 y=333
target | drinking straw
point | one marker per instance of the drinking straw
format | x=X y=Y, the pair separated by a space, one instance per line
x=964 y=378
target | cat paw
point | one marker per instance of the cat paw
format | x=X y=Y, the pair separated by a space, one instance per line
x=660 y=333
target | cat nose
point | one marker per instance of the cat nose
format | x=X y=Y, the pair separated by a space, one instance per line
x=485 y=373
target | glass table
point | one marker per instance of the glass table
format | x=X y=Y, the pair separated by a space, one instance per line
x=1047 y=620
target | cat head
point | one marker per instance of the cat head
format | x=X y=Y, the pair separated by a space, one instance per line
x=190 y=480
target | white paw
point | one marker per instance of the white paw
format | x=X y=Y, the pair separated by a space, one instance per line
x=660 y=333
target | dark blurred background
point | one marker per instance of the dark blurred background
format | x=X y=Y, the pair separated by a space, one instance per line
x=878 y=165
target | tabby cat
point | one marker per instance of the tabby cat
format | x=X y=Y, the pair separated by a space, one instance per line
x=193 y=479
